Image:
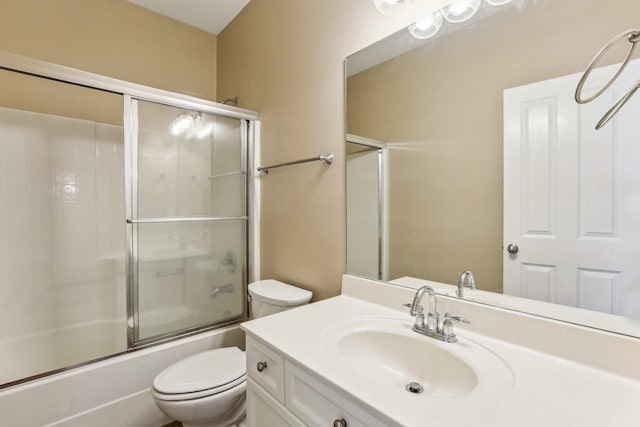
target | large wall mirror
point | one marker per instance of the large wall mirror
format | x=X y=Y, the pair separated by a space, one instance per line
x=486 y=149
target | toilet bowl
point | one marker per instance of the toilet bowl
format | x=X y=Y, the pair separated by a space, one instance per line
x=208 y=388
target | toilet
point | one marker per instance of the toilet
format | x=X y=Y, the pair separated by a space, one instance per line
x=208 y=388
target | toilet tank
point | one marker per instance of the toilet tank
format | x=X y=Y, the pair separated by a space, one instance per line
x=271 y=296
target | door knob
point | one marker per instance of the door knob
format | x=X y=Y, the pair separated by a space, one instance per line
x=512 y=249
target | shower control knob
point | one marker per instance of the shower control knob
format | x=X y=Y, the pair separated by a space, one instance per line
x=339 y=423
x=512 y=249
x=261 y=366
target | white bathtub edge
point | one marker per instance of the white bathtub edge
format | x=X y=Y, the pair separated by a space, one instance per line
x=110 y=392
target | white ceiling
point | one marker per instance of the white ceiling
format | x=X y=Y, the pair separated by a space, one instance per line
x=208 y=15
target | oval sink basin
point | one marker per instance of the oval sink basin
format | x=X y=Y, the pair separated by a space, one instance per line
x=395 y=360
x=387 y=353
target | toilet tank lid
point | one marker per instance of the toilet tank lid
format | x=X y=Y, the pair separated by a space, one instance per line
x=202 y=371
x=278 y=293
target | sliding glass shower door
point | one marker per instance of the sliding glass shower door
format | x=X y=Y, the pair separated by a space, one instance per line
x=122 y=221
x=187 y=217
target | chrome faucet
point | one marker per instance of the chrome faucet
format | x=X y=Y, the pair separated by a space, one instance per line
x=432 y=328
x=466 y=276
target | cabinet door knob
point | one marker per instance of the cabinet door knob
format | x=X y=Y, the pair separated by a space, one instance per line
x=262 y=366
x=340 y=423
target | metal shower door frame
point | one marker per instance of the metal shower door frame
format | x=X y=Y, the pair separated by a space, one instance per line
x=132 y=218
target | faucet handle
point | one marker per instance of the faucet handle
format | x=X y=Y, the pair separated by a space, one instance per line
x=447 y=326
x=449 y=316
x=419 y=315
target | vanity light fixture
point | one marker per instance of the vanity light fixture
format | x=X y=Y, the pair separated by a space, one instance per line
x=461 y=10
x=190 y=125
x=389 y=6
x=427 y=27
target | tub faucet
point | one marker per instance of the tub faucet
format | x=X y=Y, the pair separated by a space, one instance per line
x=226 y=289
x=468 y=277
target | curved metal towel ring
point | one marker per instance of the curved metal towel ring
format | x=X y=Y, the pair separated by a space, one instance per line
x=633 y=36
x=618 y=105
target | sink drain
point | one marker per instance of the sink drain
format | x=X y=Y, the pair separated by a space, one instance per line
x=414 y=387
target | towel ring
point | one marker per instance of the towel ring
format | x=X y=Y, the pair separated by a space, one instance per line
x=633 y=36
x=618 y=105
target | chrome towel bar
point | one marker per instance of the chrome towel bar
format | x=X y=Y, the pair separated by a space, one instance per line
x=327 y=158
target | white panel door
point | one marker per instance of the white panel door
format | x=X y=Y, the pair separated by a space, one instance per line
x=572 y=195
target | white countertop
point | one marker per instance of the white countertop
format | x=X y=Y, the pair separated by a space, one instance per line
x=546 y=390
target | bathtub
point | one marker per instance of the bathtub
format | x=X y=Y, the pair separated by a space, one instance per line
x=45 y=351
x=111 y=392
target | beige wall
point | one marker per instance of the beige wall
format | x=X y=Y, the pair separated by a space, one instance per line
x=113 y=38
x=284 y=58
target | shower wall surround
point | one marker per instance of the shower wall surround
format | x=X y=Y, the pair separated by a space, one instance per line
x=63 y=284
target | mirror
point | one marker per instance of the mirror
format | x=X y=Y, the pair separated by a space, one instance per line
x=486 y=147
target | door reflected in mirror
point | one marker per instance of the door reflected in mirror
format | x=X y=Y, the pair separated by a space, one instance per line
x=486 y=149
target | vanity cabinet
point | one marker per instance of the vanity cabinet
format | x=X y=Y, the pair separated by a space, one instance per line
x=281 y=393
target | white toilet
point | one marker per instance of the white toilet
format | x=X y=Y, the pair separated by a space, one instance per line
x=208 y=389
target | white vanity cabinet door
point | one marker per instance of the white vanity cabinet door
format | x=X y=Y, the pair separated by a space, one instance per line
x=265 y=411
x=317 y=405
x=270 y=374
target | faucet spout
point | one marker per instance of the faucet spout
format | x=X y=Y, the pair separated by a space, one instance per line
x=467 y=276
x=415 y=306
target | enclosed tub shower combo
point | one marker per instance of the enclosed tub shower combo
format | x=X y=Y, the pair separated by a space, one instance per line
x=124 y=217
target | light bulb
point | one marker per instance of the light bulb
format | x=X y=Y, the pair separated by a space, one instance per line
x=389 y=6
x=180 y=124
x=427 y=27
x=205 y=130
x=461 y=10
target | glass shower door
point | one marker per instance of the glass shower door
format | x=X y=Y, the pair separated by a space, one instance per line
x=188 y=220
x=62 y=287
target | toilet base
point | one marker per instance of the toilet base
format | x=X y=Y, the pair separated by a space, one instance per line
x=240 y=423
x=221 y=410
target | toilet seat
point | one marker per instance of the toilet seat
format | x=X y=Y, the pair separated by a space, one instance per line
x=202 y=375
